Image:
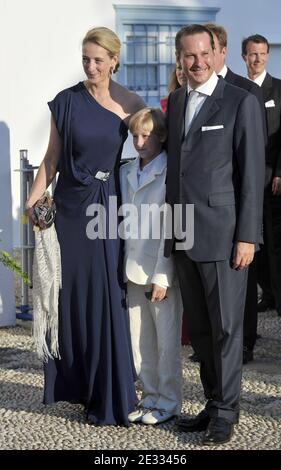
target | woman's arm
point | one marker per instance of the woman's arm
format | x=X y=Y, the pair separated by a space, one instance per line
x=47 y=170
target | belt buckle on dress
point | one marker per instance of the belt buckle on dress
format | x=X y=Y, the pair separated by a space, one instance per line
x=102 y=175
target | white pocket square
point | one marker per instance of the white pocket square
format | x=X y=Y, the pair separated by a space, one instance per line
x=270 y=104
x=211 y=128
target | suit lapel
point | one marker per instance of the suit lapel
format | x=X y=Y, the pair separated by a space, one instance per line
x=267 y=87
x=230 y=76
x=156 y=170
x=177 y=123
x=150 y=178
x=132 y=175
x=209 y=108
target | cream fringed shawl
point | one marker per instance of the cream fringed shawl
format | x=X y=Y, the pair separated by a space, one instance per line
x=46 y=286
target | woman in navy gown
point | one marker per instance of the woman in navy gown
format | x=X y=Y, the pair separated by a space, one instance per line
x=88 y=129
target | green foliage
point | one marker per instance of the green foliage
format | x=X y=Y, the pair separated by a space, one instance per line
x=10 y=263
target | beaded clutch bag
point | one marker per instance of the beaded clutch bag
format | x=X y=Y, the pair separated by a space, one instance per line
x=44 y=212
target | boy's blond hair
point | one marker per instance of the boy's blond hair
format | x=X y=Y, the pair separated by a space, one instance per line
x=150 y=120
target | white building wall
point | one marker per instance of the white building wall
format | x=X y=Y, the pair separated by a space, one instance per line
x=7 y=305
x=40 y=50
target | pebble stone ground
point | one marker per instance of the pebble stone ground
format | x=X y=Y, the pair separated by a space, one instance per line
x=25 y=423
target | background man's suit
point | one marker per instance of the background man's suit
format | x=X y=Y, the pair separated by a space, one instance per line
x=251 y=87
x=269 y=259
x=250 y=314
x=218 y=167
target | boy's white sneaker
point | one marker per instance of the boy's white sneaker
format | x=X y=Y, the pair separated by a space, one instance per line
x=136 y=415
x=156 y=416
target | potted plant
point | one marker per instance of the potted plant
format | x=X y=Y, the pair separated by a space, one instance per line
x=9 y=262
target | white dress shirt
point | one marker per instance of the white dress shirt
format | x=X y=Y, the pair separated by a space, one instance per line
x=204 y=91
x=144 y=173
x=259 y=80
x=223 y=71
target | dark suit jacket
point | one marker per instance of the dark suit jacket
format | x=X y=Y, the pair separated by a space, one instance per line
x=220 y=171
x=253 y=88
x=271 y=88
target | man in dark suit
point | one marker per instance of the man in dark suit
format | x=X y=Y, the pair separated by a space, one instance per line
x=255 y=52
x=220 y=41
x=216 y=163
x=251 y=312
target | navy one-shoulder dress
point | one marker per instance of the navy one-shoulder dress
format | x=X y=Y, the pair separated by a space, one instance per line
x=96 y=365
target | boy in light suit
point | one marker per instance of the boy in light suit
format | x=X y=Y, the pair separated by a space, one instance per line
x=154 y=301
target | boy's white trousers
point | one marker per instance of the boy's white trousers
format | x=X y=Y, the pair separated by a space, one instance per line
x=156 y=344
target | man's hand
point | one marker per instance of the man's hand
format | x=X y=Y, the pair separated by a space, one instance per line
x=243 y=255
x=158 y=293
x=276 y=186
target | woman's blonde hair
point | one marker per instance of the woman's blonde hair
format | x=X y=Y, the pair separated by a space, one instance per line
x=106 y=38
x=150 y=120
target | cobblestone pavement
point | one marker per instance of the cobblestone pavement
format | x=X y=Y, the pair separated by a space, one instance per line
x=25 y=423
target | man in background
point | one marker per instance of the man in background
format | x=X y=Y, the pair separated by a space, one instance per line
x=255 y=52
x=251 y=313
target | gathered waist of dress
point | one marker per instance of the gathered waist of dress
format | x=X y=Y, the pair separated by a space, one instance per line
x=87 y=177
x=79 y=177
x=73 y=197
x=102 y=175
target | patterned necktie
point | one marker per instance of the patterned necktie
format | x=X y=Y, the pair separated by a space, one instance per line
x=192 y=104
